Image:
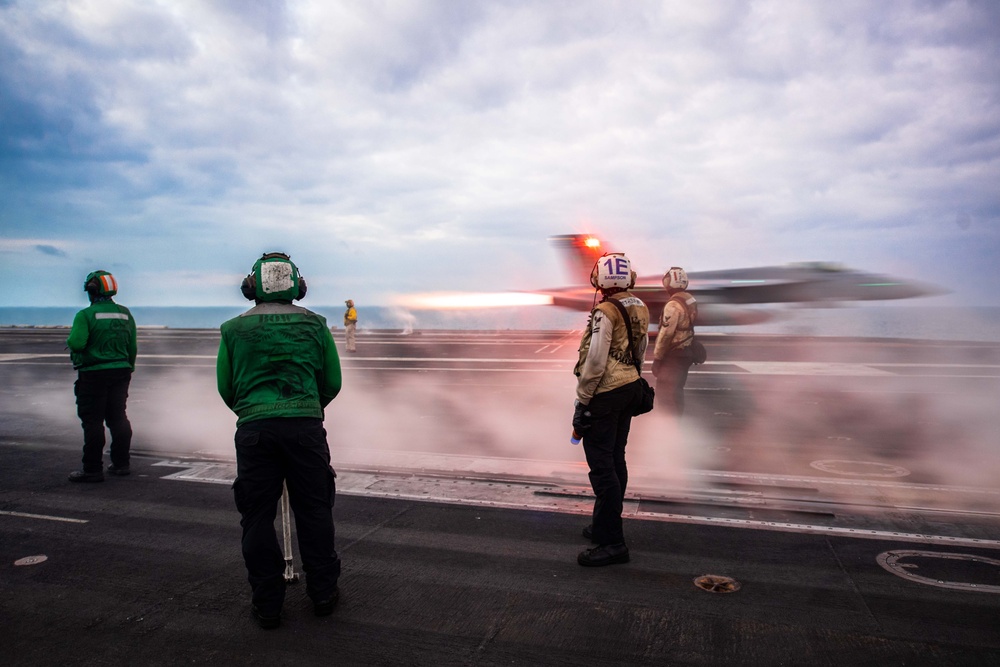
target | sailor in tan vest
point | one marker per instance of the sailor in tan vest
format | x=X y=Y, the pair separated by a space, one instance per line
x=607 y=393
x=672 y=357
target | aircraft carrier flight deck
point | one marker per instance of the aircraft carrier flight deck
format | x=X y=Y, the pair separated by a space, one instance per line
x=823 y=501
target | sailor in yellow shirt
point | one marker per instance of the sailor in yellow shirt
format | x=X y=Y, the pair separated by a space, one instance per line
x=351 y=326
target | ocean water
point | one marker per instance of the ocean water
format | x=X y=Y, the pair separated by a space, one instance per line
x=372 y=317
x=869 y=321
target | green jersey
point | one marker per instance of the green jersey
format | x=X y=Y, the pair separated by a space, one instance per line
x=277 y=360
x=103 y=336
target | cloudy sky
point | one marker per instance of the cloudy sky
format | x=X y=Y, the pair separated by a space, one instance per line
x=405 y=146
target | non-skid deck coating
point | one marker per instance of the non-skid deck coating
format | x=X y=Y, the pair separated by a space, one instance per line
x=154 y=576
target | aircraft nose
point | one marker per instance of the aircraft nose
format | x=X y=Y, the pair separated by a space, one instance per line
x=926 y=289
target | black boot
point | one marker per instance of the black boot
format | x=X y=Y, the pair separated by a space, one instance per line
x=606 y=554
x=81 y=476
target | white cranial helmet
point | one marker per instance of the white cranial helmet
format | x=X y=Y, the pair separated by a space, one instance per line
x=613 y=270
x=675 y=278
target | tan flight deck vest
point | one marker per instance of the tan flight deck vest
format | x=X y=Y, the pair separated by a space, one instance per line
x=620 y=369
x=686 y=313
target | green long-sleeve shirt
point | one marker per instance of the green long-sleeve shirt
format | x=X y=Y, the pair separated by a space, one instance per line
x=103 y=336
x=277 y=360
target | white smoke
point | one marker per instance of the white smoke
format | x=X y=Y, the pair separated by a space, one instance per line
x=942 y=432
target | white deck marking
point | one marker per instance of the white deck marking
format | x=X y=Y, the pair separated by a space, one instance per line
x=25 y=515
x=890 y=560
x=24 y=356
x=839 y=531
x=455 y=486
x=808 y=368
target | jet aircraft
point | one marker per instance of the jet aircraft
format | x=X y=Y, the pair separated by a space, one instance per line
x=727 y=297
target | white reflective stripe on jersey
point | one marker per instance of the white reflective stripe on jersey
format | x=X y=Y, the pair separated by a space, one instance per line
x=110 y=316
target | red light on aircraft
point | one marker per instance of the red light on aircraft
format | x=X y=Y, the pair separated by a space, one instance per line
x=592 y=242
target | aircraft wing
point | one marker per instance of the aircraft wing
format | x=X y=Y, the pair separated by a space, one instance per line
x=727 y=297
x=709 y=314
x=810 y=282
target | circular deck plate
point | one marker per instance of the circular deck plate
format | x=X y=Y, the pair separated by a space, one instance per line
x=715 y=583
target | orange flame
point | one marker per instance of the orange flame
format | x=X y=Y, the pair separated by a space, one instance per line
x=467 y=300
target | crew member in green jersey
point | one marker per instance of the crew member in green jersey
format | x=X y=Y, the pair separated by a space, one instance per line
x=277 y=369
x=102 y=345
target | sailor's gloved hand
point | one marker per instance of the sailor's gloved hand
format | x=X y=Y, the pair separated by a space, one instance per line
x=656 y=366
x=582 y=419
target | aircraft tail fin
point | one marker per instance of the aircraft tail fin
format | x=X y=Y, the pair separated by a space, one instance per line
x=580 y=252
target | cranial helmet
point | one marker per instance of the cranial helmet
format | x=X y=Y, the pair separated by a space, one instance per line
x=612 y=270
x=274 y=277
x=100 y=283
x=676 y=278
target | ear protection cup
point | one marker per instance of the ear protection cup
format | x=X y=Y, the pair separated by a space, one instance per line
x=249 y=287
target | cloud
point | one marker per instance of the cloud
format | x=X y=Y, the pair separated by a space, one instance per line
x=23 y=246
x=370 y=139
x=51 y=250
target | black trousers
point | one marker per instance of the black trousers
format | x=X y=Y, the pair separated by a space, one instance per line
x=100 y=398
x=671 y=376
x=604 y=445
x=293 y=451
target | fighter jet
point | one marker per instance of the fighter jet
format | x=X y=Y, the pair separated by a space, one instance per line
x=729 y=297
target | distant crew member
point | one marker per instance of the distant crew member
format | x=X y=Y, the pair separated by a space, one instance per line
x=607 y=393
x=278 y=369
x=672 y=357
x=102 y=346
x=351 y=326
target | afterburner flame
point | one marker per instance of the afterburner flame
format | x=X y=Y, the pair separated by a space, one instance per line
x=469 y=300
